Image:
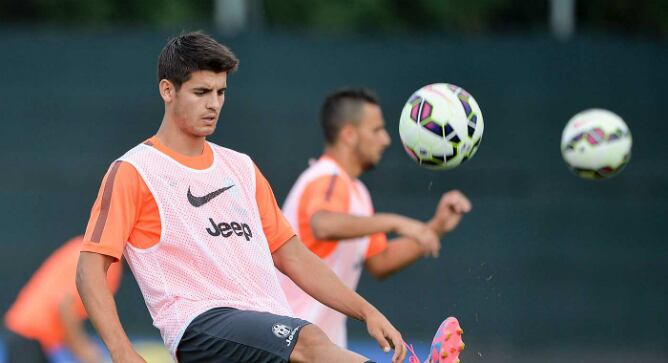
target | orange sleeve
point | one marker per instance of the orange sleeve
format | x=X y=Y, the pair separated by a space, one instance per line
x=377 y=244
x=330 y=193
x=115 y=211
x=276 y=228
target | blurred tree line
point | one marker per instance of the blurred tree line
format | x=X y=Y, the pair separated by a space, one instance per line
x=105 y=12
x=469 y=16
x=351 y=16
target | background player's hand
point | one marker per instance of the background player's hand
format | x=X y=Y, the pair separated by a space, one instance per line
x=386 y=335
x=449 y=212
x=89 y=353
x=421 y=232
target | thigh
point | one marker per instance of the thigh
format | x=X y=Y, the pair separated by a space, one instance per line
x=23 y=350
x=231 y=335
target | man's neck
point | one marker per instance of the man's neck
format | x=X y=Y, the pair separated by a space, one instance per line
x=346 y=160
x=180 y=142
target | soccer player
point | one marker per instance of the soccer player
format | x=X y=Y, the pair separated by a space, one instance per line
x=332 y=212
x=205 y=236
x=48 y=315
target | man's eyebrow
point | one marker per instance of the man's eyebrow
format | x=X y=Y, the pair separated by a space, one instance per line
x=203 y=90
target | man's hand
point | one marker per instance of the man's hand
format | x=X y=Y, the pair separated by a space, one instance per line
x=386 y=335
x=422 y=232
x=449 y=212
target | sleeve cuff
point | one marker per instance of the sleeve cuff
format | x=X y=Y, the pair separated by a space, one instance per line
x=101 y=249
x=285 y=238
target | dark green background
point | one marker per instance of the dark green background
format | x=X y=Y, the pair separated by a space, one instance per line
x=544 y=262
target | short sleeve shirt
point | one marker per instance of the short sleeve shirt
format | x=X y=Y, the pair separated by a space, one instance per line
x=126 y=212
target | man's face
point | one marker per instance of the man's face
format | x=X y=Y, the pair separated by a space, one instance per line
x=196 y=105
x=372 y=138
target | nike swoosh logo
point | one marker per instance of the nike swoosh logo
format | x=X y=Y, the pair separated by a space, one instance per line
x=200 y=201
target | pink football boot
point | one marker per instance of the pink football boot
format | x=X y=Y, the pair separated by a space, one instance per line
x=447 y=343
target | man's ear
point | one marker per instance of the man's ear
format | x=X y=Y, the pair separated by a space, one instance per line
x=348 y=134
x=167 y=90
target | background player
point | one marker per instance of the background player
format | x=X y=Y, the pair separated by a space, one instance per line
x=48 y=315
x=332 y=211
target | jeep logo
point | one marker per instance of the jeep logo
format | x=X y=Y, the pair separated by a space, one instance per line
x=227 y=229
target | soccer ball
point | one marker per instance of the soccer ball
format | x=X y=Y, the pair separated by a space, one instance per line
x=441 y=126
x=596 y=144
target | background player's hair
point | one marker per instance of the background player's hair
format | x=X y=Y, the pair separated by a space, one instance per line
x=191 y=52
x=341 y=107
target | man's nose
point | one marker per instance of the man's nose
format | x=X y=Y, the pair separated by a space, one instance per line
x=214 y=102
x=388 y=139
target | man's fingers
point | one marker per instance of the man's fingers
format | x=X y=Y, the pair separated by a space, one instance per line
x=459 y=208
x=382 y=342
x=437 y=247
x=466 y=205
x=455 y=200
x=399 y=350
x=431 y=249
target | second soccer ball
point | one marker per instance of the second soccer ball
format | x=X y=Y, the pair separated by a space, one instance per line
x=596 y=144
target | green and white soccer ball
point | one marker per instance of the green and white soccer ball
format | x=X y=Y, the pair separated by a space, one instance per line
x=441 y=126
x=596 y=144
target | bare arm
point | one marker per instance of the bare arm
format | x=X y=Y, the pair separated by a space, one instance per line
x=400 y=252
x=99 y=302
x=418 y=239
x=76 y=338
x=316 y=279
x=403 y=251
x=328 y=225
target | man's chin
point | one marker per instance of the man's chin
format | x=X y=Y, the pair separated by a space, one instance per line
x=205 y=131
x=369 y=166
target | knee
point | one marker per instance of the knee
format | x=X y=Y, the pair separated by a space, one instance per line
x=312 y=341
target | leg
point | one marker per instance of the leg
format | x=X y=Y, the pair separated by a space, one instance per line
x=313 y=345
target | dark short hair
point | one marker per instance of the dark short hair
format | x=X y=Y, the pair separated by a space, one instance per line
x=342 y=107
x=191 y=52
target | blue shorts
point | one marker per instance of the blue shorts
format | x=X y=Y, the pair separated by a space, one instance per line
x=232 y=335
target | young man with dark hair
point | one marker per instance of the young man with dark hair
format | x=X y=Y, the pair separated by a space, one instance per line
x=332 y=211
x=204 y=236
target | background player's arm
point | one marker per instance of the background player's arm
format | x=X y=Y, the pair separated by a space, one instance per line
x=315 y=278
x=76 y=338
x=403 y=251
x=328 y=225
x=99 y=302
x=399 y=253
x=333 y=225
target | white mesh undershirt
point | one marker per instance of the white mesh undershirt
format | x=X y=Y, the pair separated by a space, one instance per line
x=212 y=255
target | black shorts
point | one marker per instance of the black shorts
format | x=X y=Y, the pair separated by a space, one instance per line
x=23 y=350
x=231 y=335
